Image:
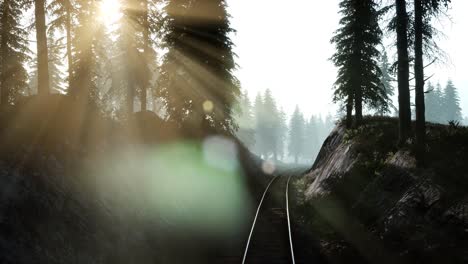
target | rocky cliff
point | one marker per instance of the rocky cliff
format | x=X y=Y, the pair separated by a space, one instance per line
x=366 y=200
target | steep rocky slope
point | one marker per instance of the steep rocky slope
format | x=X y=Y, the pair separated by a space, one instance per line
x=365 y=199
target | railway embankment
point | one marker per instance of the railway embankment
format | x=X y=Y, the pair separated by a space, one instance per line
x=366 y=200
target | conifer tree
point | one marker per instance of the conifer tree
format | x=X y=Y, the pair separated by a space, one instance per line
x=56 y=75
x=196 y=79
x=424 y=10
x=311 y=136
x=245 y=120
x=451 y=103
x=260 y=128
x=386 y=81
x=404 y=105
x=296 y=135
x=88 y=34
x=272 y=124
x=129 y=42
x=13 y=51
x=282 y=134
x=62 y=12
x=432 y=103
x=359 y=76
x=42 y=49
x=55 y=64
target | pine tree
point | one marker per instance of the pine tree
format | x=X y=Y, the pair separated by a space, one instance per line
x=296 y=135
x=386 y=80
x=311 y=136
x=88 y=34
x=404 y=105
x=282 y=134
x=151 y=26
x=56 y=75
x=359 y=76
x=55 y=64
x=245 y=120
x=196 y=79
x=42 y=49
x=129 y=42
x=271 y=123
x=451 y=103
x=432 y=103
x=424 y=10
x=62 y=13
x=260 y=128
x=13 y=51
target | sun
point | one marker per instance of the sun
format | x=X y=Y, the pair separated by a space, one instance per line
x=109 y=11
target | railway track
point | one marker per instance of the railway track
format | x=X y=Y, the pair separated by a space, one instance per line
x=270 y=239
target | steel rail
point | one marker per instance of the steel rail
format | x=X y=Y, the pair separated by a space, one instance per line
x=289 y=222
x=255 y=219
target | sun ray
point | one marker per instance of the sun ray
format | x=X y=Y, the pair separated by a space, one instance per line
x=109 y=12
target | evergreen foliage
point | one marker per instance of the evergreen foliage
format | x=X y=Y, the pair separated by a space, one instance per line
x=197 y=69
x=296 y=135
x=359 y=75
x=386 y=80
x=434 y=103
x=56 y=78
x=62 y=12
x=88 y=33
x=451 y=103
x=245 y=119
x=443 y=106
x=14 y=51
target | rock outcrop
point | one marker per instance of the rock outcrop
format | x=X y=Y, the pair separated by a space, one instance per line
x=414 y=214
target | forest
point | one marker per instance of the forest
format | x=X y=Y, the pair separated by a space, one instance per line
x=127 y=135
x=145 y=60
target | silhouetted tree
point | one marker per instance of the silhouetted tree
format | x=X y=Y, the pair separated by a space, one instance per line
x=56 y=75
x=433 y=102
x=62 y=14
x=13 y=51
x=151 y=25
x=451 y=103
x=271 y=122
x=245 y=120
x=88 y=34
x=311 y=136
x=196 y=79
x=386 y=80
x=42 y=50
x=359 y=76
x=130 y=42
x=423 y=12
x=296 y=135
x=282 y=127
x=404 y=105
x=260 y=128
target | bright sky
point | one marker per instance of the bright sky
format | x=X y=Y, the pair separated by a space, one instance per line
x=286 y=47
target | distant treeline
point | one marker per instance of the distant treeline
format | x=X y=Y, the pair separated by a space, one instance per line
x=267 y=131
x=443 y=106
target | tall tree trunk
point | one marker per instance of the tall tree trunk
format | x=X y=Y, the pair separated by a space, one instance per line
x=403 y=71
x=349 y=112
x=146 y=56
x=69 y=44
x=4 y=90
x=358 y=105
x=130 y=94
x=419 y=79
x=42 y=53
